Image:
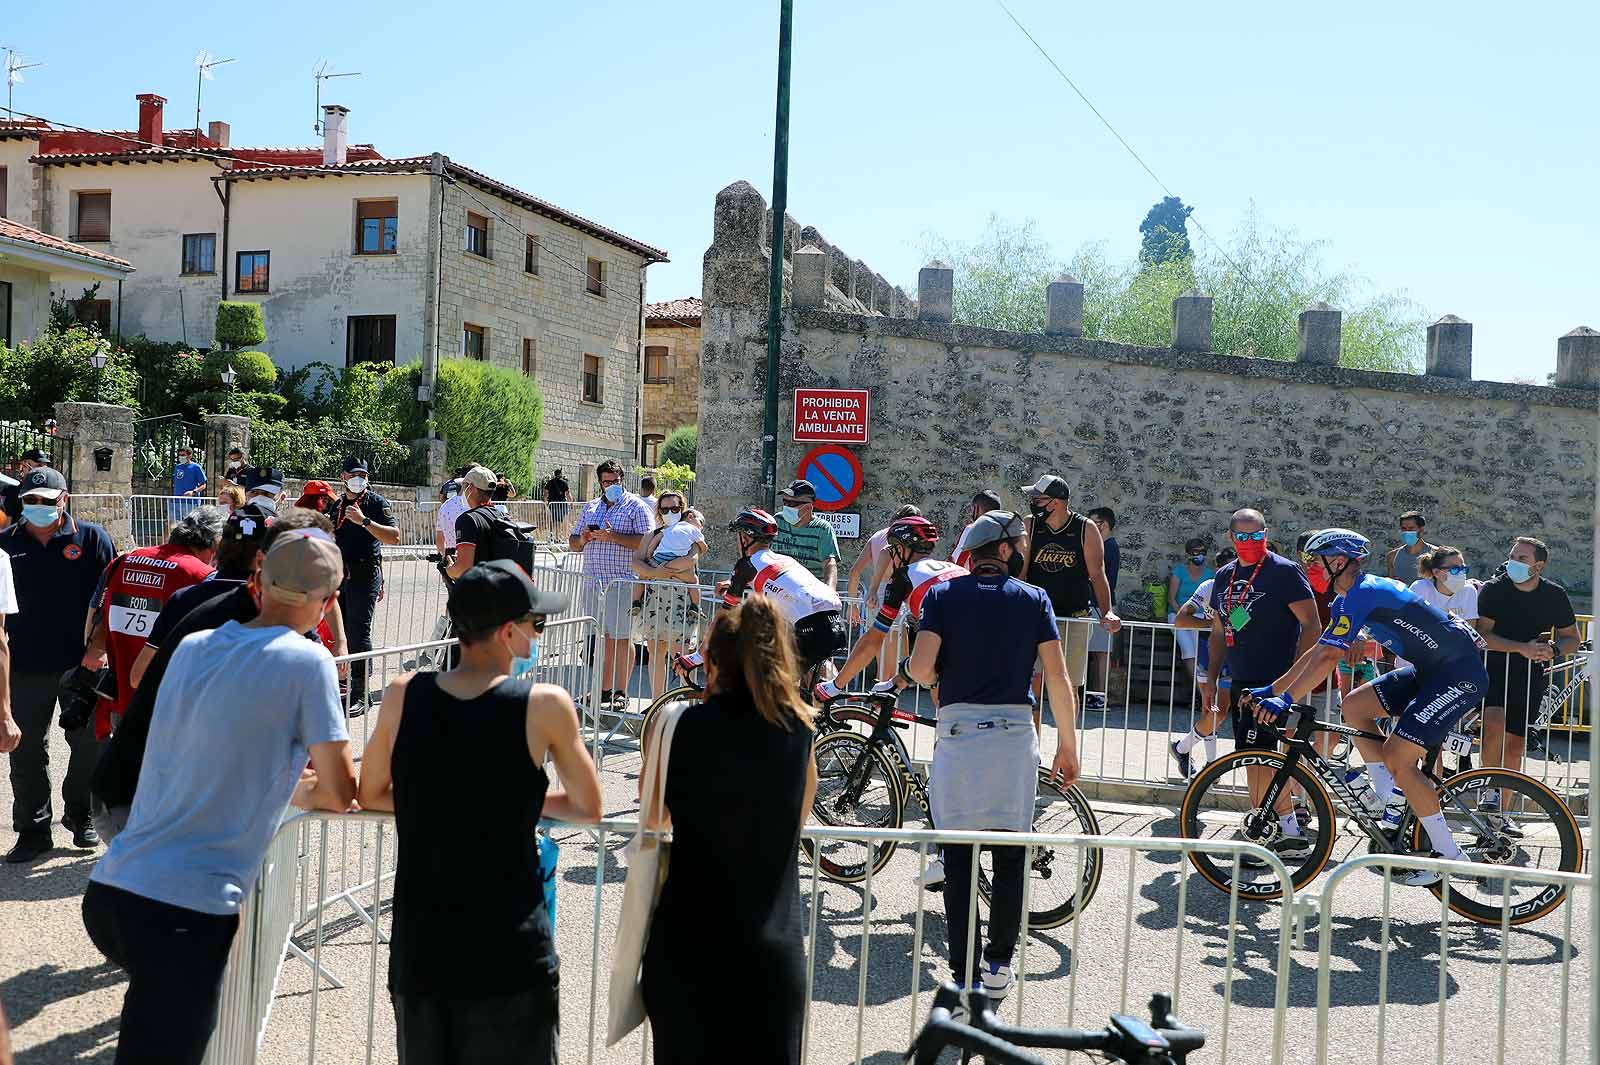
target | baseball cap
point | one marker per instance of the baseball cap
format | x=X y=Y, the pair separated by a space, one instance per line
x=481 y=478
x=36 y=455
x=43 y=481
x=301 y=566
x=264 y=479
x=318 y=488
x=249 y=522
x=990 y=528
x=461 y=471
x=493 y=593
x=355 y=465
x=9 y=482
x=801 y=489
x=1049 y=486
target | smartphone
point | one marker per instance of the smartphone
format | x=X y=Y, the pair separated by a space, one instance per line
x=594 y=528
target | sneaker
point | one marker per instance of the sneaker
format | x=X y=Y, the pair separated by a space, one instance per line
x=692 y=613
x=1185 y=763
x=1290 y=847
x=1302 y=814
x=1419 y=877
x=83 y=832
x=636 y=610
x=931 y=878
x=1489 y=802
x=27 y=848
x=996 y=978
x=1503 y=824
x=1094 y=701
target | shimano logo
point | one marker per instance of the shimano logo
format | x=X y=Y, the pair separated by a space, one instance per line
x=1440 y=702
x=1427 y=641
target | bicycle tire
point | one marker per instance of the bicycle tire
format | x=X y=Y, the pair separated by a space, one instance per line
x=682 y=693
x=1535 y=794
x=1042 y=918
x=837 y=754
x=1217 y=872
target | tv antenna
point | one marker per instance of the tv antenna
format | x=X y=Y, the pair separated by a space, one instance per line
x=204 y=62
x=321 y=75
x=14 y=68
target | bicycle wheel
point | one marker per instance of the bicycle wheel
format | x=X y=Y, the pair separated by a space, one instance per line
x=1065 y=876
x=682 y=693
x=857 y=787
x=1549 y=841
x=1218 y=806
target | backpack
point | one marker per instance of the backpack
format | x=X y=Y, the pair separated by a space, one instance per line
x=508 y=539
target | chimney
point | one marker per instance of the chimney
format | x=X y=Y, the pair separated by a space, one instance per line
x=334 y=141
x=150 y=117
x=219 y=133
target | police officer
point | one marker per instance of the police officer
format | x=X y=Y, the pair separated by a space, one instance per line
x=56 y=561
x=9 y=500
x=264 y=488
x=362 y=522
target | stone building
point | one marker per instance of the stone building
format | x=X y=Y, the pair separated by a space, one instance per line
x=671 y=372
x=1173 y=439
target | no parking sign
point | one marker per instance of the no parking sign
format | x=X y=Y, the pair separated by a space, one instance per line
x=836 y=472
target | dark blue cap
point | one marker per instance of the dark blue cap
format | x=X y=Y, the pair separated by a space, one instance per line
x=355 y=465
x=263 y=479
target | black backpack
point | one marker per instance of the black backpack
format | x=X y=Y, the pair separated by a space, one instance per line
x=508 y=539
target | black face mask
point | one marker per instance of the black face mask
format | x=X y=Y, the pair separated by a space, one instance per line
x=1039 y=511
x=1014 y=564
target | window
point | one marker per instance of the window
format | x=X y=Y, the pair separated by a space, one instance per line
x=370 y=339
x=252 y=272
x=199 y=253
x=477 y=234
x=592 y=392
x=5 y=313
x=3 y=192
x=650 y=449
x=530 y=352
x=94 y=216
x=655 y=365
x=377 y=225
x=597 y=277
x=472 y=345
x=96 y=313
x=530 y=259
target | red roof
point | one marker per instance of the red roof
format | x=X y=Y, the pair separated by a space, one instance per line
x=10 y=230
x=685 y=311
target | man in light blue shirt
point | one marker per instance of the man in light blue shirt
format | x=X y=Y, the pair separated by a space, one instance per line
x=239 y=711
x=188 y=484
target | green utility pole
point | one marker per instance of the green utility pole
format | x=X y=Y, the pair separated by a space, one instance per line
x=780 y=206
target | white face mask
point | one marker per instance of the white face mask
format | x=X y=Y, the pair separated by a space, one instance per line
x=357 y=484
x=1454 y=582
x=790 y=515
x=670 y=519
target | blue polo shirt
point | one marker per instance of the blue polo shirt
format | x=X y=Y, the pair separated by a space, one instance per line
x=187 y=477
x=56 y=581
x=990 y=628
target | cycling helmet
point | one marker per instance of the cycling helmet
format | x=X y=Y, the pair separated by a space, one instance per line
x=992 y=527
x=919 y=534
x=1339 y=542
x=753 y=522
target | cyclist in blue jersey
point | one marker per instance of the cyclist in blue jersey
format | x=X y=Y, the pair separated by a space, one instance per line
x=1446 y=679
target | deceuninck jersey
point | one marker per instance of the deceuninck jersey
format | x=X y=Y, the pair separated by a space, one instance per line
x=908 y=587
x=791 y=587
x=1402 y=621
x=132 y=593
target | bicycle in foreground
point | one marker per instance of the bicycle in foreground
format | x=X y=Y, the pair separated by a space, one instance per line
x=1163 y=1041
x=1536 y=829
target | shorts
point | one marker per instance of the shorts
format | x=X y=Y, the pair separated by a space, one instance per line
x=1425 y=708
x=1075 y=632
x=1247 y=734
x=1188 y=639
x=609 y=605
x=661 y=558
x=818 y=637
x=1100 y=641
x=1518 y=686
x=664 y=615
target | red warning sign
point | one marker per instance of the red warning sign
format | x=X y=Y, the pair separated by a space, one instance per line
x=830 y=415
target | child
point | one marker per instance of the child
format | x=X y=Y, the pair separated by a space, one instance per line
x=680 y=547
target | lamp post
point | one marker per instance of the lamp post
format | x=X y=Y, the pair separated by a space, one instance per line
x=228 y=378
x=102 y=352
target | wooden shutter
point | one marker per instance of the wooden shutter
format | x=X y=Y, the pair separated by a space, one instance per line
x=377 y=209
x=94 y=216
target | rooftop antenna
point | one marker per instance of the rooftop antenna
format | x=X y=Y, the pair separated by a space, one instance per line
x=321 y=75
x=204 y=61
x=14 y=68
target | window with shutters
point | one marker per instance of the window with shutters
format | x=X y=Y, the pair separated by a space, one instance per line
x=593 y=390
x=377 y=226
x=370 y=338
x=655 y=365
x=530 y=259
x=472 y=341
x=96 y=313
x=650 y=449
x=530 y=353
x=597 y=277
x=478 y=234
x=199 y=253
x=94 y=216
x=253 y=271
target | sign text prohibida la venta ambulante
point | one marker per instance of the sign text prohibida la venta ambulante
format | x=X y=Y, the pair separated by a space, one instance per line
x=830 y=415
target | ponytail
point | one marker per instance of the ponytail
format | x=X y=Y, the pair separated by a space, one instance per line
x=751 y=642
x=1429 y=560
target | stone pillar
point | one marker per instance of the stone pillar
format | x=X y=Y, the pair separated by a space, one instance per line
x=936 y=293
x=108 y=429
x=737 y=263
x=1064 y=307
x=1578 y=359
x=1320 y=336
x=863 y=285
x=810 y=276
x=434 y=449
x=1191 y=321
x=1450 y=348
x=225 y=432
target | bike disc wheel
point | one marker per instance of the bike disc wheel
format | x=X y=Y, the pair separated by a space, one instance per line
x=857 y=787
x=1062 y=878
x=1550 y=841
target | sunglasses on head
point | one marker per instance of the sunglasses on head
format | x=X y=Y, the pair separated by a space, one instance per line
x=1246 y=537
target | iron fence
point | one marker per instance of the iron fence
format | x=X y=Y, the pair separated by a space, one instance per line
x=310 y=451
x=19 y=437
x=156 y=443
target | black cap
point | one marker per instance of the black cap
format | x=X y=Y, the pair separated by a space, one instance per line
x=250 y=522
x=36 y=455
x=461 y=470
x=801 y=489
x=264 y=479
x=43 y=481
x=1050 y=486
x=493 y=593
x=355 y=465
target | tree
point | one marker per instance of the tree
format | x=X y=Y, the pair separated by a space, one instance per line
x=680 y=446
x=239 y=323
x=1165 y=232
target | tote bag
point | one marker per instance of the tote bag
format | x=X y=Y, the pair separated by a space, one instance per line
x=647 y=871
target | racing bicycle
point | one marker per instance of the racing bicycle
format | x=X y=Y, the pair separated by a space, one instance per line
x=1541 y=832
x=1561 y=697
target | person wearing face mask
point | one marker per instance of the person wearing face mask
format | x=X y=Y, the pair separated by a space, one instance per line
x=56 y=563
x=1401 y=563
x=607 y=534
x=318 y=496
x=363 y=522
x=478 y=983
x=1186 y=576
x=1444 y=583
x=1527 y=621
x=985 y=500
x=237 y=471
x=805 y=536
x=668 y=609
x=240 y=712
x=263 y=487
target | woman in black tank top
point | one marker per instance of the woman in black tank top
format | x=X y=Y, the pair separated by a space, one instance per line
x=458 y=757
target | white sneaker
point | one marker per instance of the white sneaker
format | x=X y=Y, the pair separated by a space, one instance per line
x=1419 y=878
x=931 y=878
x=1505 y=825
x=996 y=979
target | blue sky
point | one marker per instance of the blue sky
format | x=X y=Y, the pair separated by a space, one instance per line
x=1445 y=150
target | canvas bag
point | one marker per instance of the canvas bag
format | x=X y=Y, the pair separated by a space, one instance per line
x=647 y=871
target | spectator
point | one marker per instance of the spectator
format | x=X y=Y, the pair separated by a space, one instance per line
x=10 y=731
x=740 y=780
x=609 y=531
x=806 y=537
x=1195 y=614
x=318 y=496
x=1517 y=612
x=647 y=496
x=230 y=498
x=504 y=490
x=867 y=578
x=669 y=610
x=556 y=494
x=363 y=521
x=163 y=904
x=237 y=472
x=30 y=460
x=188 y=483
x=477 y=984
x=1444 y=583
x=1185 y=578
x=453 y=505
x=477 y=524
x=264 y=488
x=56 y=563
x=1100 y=639
x=1401 y=562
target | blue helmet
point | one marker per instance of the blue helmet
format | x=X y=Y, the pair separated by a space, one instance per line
x=1339 y=542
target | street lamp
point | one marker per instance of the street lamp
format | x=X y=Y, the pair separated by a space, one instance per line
x=102 y=352
x=228 y=378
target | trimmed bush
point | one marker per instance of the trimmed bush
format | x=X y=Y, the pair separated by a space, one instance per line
x=680 y=446
x=489 y=414
x=239 y=324
x=255 y=370
x=245 y=404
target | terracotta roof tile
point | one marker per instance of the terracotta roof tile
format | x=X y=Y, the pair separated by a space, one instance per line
x=685 y=310
x=10 y=230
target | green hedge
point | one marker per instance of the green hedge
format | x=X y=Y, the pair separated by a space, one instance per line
x=680 y=446
x=254 y=368
x=486 y=413
x=239 y=324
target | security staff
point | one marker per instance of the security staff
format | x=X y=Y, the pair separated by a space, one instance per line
x=56 y=561
x=978 y=638
x=9 y=500
x=264 y=488
x=362 y=522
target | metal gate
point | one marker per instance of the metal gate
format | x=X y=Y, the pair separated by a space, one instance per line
x=17 y=438
x=156 y=442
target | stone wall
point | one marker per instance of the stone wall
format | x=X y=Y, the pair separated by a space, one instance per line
x=677 y=401
x=93 y=427
x=1173 y=440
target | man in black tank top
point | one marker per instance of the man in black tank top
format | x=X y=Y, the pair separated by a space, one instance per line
x=1066 y=557
x=473 y=971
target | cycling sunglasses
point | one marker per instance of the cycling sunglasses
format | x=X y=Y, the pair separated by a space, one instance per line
x=1458 y=571
x=1246 y=537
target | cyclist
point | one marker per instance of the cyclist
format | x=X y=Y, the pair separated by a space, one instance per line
x=1445 y=680
x=803 y=600
x=911 y=541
